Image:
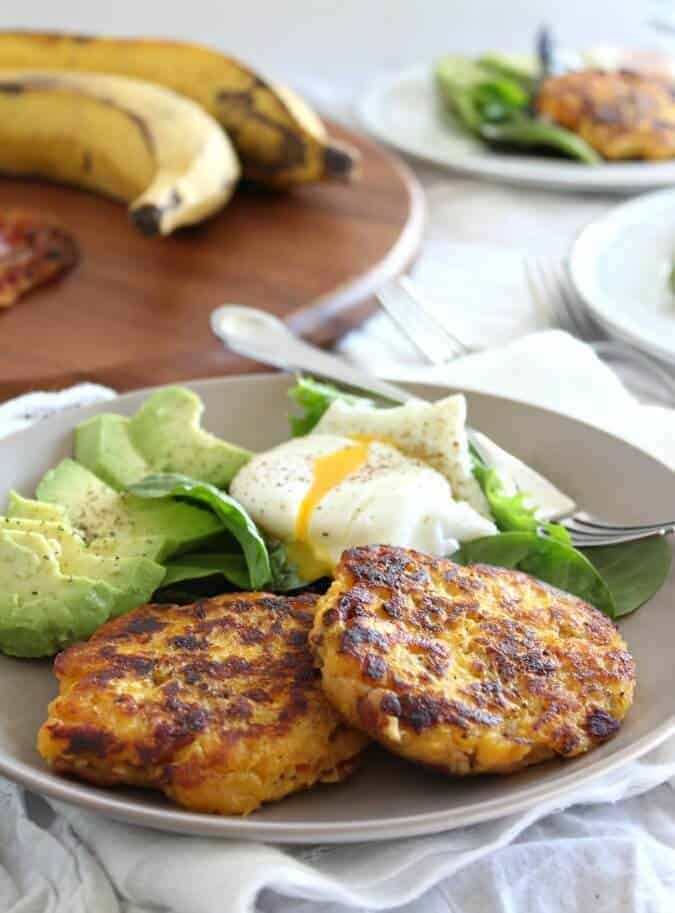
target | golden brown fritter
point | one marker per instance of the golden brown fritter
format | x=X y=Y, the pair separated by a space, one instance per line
x=217 y=704
x=621 y=114
x=467 y=669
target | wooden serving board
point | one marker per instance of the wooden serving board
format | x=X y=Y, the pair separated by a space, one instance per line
x=135 y=311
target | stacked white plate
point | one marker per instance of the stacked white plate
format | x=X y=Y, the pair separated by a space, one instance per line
x=623 y=264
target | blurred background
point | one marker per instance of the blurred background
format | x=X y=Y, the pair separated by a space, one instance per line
x=332 y=52
x=318 y=44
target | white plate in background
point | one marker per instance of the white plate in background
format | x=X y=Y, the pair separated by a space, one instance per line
x=402 y=110
x=620 y=265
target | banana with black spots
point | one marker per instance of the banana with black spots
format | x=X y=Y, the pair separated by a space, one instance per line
x=126 y=138
x=279 y=139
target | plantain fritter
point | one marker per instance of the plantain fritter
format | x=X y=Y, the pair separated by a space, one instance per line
x=621 y=114
x=217 y=704
x=467 y=669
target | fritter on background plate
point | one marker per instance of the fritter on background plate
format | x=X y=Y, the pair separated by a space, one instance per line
x=621 y=114
x=467 y=669
x=217 y=704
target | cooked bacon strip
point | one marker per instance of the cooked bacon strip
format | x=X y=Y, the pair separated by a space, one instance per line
x=32 y=252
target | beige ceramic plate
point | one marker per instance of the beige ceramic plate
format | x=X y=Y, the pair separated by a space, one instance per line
x=387 y=798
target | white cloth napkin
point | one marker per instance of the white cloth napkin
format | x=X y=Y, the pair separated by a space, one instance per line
x=65 y=860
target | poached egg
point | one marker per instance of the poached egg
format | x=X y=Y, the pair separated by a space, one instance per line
x=360 y=479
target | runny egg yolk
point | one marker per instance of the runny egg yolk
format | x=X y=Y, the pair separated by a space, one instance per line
x=327 y=472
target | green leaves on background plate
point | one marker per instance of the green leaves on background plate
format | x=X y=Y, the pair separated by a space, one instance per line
x=495 y=103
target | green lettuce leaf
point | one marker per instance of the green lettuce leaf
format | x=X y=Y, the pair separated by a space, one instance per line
x=231 y=514
x=510 y=512
x=314 y=397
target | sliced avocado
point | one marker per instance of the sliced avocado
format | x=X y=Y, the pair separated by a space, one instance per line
x=103 y=445
x=69 y=542
x=135 y=578
x=165 y=435
x=28 y=509
x=167 y=431
x=41 y=608
x=150 y=547
x=98 y=511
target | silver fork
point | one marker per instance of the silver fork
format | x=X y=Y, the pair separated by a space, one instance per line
x=439 y=346
x=557 y=300
x=432 y=339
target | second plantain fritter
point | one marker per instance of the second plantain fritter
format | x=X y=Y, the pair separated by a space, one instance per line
x=467 y=669
x=217 y=704
x=621 y=114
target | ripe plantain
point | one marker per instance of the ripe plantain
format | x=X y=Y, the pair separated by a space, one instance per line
x=123 y=137
x=279 y=139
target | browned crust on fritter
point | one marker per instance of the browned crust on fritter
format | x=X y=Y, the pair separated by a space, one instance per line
x=622 y=114
x=217 y=704
x=469 y=669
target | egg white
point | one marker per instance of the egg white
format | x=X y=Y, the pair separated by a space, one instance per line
x=390 y=499
x=434 y=433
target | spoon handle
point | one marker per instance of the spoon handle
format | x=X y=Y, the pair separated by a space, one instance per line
x=272 y=343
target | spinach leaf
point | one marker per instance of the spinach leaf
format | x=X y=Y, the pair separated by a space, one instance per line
x=633 y=571
x=314 y=398
x=285 y=575
x=549 y=560
x=197 y=566
x=510 y=512
x=231 y=514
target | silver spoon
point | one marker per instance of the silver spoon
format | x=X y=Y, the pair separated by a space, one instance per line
x=262 y=336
